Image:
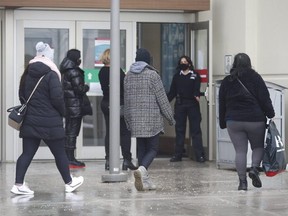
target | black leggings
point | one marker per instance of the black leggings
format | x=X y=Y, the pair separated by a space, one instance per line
x=242 y=132
x=30 y=147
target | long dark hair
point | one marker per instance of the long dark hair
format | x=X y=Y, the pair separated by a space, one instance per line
x=188 y=59
x=241 y=64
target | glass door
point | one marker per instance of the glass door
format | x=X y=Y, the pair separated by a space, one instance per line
x=93 y=38
x=199 y=39
x=58 y=34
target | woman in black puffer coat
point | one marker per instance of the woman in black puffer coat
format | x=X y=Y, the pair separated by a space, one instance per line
x=43 y=120
x=76 y=102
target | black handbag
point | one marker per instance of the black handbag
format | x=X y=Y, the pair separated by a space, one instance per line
x=17 y=113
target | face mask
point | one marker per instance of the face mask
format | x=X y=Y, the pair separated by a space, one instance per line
x=184 y=66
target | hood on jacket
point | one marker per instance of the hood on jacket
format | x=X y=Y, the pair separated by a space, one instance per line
x=138 y=67
x=67 y=64
x=38 y=69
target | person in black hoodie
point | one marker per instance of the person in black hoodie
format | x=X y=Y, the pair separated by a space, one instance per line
x=244 y=106
x=43 y=120
x=76 y=102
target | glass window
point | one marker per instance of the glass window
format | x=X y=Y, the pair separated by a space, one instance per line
x=173 y=46
x=95 y=42
x=58 y=39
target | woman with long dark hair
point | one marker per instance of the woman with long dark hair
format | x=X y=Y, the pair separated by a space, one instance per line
x=244 y=106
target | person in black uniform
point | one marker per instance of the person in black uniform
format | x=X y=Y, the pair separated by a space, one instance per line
x=125 y=135
x=185 y=87
x=76 y=102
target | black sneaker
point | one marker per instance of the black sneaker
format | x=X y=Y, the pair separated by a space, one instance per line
x=175 y=159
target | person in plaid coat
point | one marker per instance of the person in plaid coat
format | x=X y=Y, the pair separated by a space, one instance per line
x=145 y=105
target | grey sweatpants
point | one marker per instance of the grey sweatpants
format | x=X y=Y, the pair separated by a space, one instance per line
x=242 y=132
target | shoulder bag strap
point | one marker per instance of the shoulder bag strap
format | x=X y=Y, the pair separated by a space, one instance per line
x=246 y=88
x=34 y=89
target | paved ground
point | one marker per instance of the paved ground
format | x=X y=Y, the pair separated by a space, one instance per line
x=184 y=188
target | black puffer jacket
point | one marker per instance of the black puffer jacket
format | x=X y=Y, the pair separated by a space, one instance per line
x=74 y=88
x=44 y=118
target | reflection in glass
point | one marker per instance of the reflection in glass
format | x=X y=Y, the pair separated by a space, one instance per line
x=94 y=126
x=58 y=39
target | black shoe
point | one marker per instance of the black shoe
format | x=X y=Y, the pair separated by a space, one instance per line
x=175 y=159
x=107 y=164
x=75 y=164
x=128 y=164
x=242 y=184
x=201 y=160
x=254 y=175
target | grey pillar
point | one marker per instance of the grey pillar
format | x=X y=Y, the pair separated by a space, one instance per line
x=114 y=139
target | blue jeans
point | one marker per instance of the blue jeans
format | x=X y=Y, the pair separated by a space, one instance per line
x=192 y=112
x=147 y=149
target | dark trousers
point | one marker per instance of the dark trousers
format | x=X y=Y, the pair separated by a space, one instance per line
x=147 y=149
x=125 y=134
x=192 y=112
x=30 y=147
x=72 y=129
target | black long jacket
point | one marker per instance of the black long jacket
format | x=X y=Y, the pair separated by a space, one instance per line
x=74 y=88
x=44 y=118
x=236 y=104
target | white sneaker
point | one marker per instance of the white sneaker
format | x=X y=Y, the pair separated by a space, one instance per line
x=138 y=179
x=23 y=189
x=142 y=180
x=148 y=184
x=75 y=183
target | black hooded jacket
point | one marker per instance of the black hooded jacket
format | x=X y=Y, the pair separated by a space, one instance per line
x=44 y=117
x=74 y=88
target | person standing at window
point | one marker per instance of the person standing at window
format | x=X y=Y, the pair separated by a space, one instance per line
x=76 y=102
x=244 y=106
x=185 y=87
x=125 y=135
x=43 y=120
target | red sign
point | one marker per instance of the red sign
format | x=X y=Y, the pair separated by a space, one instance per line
x=203 y=74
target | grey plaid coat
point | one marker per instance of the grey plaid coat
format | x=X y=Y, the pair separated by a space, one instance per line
x=145 y=101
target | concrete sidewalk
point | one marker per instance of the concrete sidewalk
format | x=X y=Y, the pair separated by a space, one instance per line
x=183 y=188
